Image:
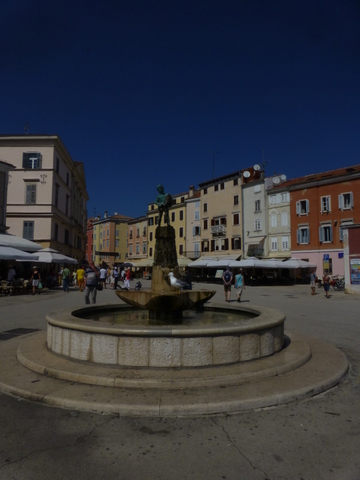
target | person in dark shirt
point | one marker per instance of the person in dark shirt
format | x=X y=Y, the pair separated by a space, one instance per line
x=91 y=281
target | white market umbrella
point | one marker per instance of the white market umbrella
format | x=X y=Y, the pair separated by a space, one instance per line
x=7 y=240
x=9 y=253
x=49 y=255
x=250 y=262
x=297 y=263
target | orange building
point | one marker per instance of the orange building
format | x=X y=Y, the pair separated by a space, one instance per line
x=321 y=205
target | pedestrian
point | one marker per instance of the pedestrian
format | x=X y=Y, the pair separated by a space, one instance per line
x=123 y=272
x=239 y=284
x=103 y=273
x=312 y=283
x=80 y=275
x=11 y=274
x=127 y=278
x=116 y=277
x=91 y=281
x=326 y=282
x=66 y=279
x=35 y=280
x=227 y=279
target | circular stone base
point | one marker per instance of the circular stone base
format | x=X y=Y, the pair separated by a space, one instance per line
x=307 y=367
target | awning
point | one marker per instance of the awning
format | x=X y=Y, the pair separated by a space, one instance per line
x=9 y=253
x=256 y=247
x=214 y=260
x=13 y=241
x=145 y=262
x=49 y=255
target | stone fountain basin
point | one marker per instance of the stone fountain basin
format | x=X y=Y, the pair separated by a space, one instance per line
x=166 y=345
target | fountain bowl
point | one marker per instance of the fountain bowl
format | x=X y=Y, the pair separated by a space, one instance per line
x=165 y=346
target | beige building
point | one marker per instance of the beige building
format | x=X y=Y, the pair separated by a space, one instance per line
x=47 y=195
x=221 y=216
x=110 y=239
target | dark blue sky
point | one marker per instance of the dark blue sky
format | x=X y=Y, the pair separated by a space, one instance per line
x=143 y=92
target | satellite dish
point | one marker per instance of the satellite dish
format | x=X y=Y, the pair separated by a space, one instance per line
x=283 y=177
x=246 y=174
x=276 y=180
x=256 y=167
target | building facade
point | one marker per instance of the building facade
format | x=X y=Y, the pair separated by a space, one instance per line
x=110 y=239
x=193 y=224
x=321 y=206
x=137 y=239
x=47 y=193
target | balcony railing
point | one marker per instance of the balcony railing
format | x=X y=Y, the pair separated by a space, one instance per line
x=218 y=230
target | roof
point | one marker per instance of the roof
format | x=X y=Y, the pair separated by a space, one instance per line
x=315 y=178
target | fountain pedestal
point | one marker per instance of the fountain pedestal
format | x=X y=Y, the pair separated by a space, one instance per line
x=163 y=301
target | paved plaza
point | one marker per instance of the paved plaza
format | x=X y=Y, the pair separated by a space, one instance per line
x=317 y=438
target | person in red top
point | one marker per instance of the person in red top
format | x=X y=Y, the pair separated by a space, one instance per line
x=127 y=279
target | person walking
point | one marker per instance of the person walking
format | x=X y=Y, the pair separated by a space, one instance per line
x=91 y=281
x=103 y=273
x=35 y=280
x=239 y=284
x=312 y=283
x=227 y=279
x=116 y=277
x=66 y=279
x=80 y=275
x=326 y=282
x=127 y=278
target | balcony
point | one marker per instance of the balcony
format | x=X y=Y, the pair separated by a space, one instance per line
x=218 y=230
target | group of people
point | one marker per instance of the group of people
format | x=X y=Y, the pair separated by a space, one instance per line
x=97 y=278
x=228 y=280
x=326 y=284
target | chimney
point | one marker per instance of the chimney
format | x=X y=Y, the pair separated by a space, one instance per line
x=105 y=214
x=191 y=191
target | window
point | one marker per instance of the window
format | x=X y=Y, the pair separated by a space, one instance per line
x=137 y=232
x=273 y=220
x=107 y=242
x=151 y=221
x=236 y=219
x=205 y=246
x=103 y=244
x=196 y=231
x=325 y=204
x=67 y=178
x=30 y=194
x=284 y=219
x=67 y=205
x=257 y=205
x=181 y=249
x=257 y=225
x=205 y=191
x=197 y=250
x=181 y=214
x=236 y=182
x=107 y=232
x=137 y=249
x=285 y=197
x=325 y=233
x=144 y=232
x=173 y=216
x=236 y=243
x=181 y=232
x=257 y=189
x=57 y=166
x=151 y=236
x=56 y=231
x=205 y=224
x=197 y=204
x=144 y=248
x=28 y=230
x=150 y=252
x=197 y=215
x=31 y=160
x=236 y=199
x=216 y=188
x=303 y=235
x=117 y=243
x=205 y=207
x=131 y=249
x=302 y=207
x=66 y=237
x=284 y=243
x=346 y=201
x=222 y=186
x=274 y=243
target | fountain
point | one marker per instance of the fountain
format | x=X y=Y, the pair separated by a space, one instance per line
x=165 y=340
x=183 y=357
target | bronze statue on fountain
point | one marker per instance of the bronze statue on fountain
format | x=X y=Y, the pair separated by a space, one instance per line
x=165 y=300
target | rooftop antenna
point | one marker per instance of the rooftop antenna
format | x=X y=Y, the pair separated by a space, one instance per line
x=264 y=162
x=213 y=169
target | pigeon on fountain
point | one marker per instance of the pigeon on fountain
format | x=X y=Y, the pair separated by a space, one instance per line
x=175 y=282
